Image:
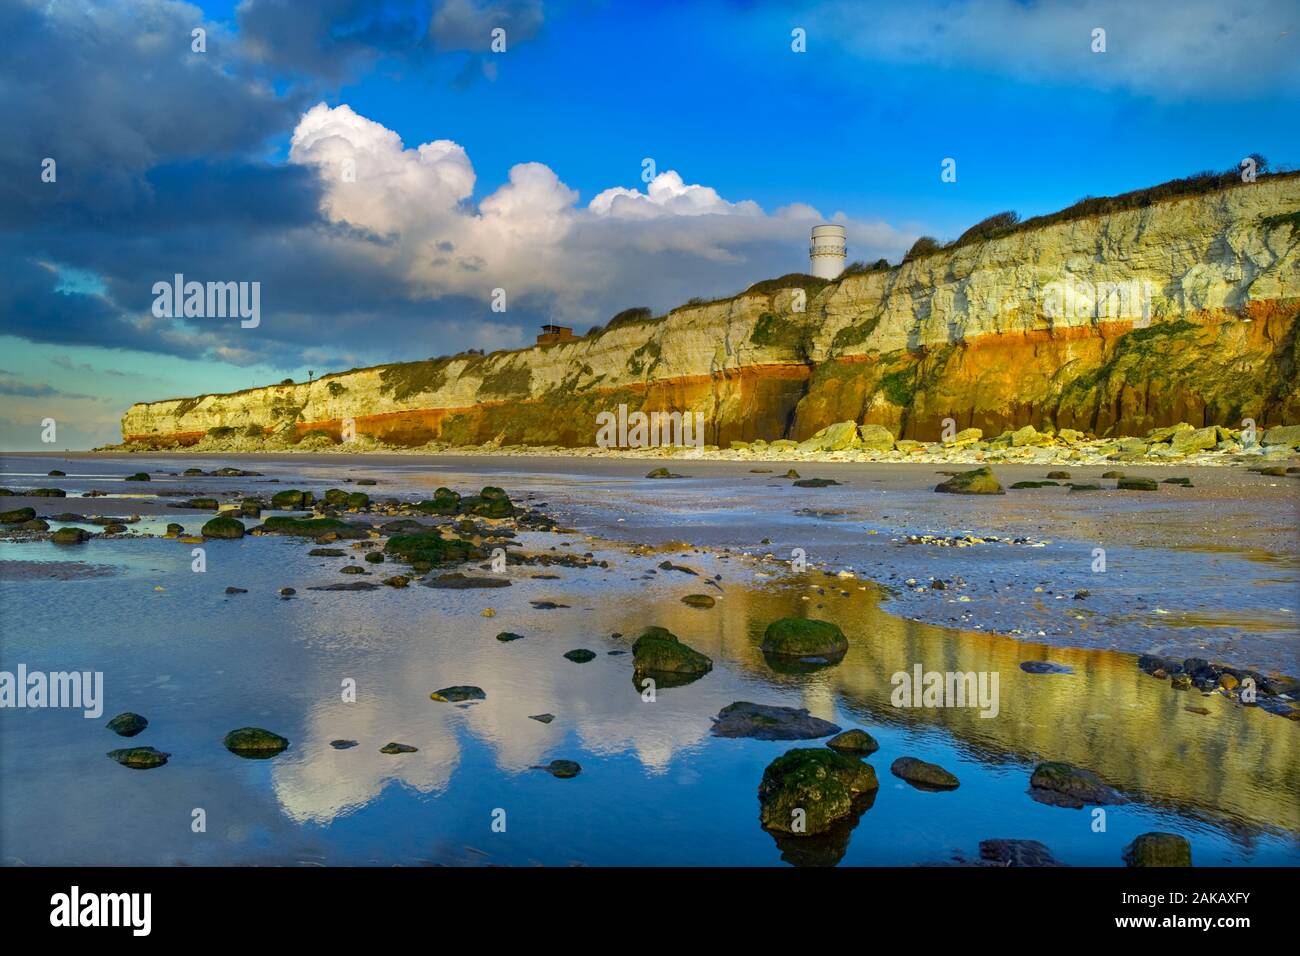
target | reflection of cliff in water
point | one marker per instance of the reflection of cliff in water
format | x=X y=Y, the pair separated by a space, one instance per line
x=1235 y=766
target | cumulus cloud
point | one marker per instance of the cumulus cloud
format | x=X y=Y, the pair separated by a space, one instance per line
x=1161 y=48
x=531 y=236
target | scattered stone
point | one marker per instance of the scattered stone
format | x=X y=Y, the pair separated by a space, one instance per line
x=699 y=601
x=663 y=473
x=287 y=592
x=659 y=651
x=1045 y=667
x=1137 y=484
x=1158 y=849
x=456 y=581
x=397 y=581
x=343 y=744
x=139 y=758
x=815 y=483
x=127 y=724
x=563 y=769
x=254 y=743
x=222 y=527
x=854 y=741
x=580 y=655
x=769 y=722
x=70 y=536
x=923 y=775
x=458 y=693
x=396 y=748
x=1017 y=853
x=1062 y=785
x=326 y=553
x=543 y=718
x=805 y=639
x=507 y=636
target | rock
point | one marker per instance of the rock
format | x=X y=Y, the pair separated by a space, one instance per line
x=55 y=473
x=374 y=557
x=507 y=636
x=854 y=741
x=222 y=527
x=1166 y=435
x=804 y=638
x=254 y=743
x=396 y=748
x=547 y=605
x=1158 y=849
x=36 y=524
x=202 y=504
x=234 y=590
x=815 y=483
x=1200 y=439
x=1059 y=475
x=1017 y=853
x=352 y=569
x=1137 y=484
x=1184 y=482
x=879 y=438
x=1112 y=474
x=114 y=527
x=1045 y=667
x=791 y=474
x=290 y=500
x=326 y=553
x=127 y=724
x=580 y=655
x=542 y=718
x=1062 y=785
x=456 y=581
x=311 y=528
x=174 y=530
x=287 y=592
x=979 y=481
x=346 y=586
x=658 y=651
x=699 y=600
x=1287 y=436
x=562 y=769
x=343 y=744
x=457 y=693
x=396 y=581
x=769 y=722
x=70 y=536
x=1084 y=486
x=139 y=758
x=967 y=436
x=821 y=783
x=428 y=547
x=662 y=473
x=17 y=516
x=840 y=436
x=923 y=775
x=1024 y=436
x=138 y=476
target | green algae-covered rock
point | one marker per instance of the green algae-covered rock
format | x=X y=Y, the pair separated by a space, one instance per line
x=309 y=527
x=138 y=476
x=562 y=769
x=335 y=497
x=127 y=724
x=254 y=743
x=491 y=502
x=819 y=782
x=45 y=493
x=658 y=651
x=769 y=722
x=1064 y=785
x=428 y=547
x=1137 y=484
x=815 y=483
x=979 y=481
x=661 y=473
x=139 y=758
x=923 y=775
x=457 y=693
x=580 y=655
x=506 y=637
x=444 y=502
x=17 y=516
x=396 y=748
x=699 y=600
x=223 y=527
x=1158 y=849
x=202 y=504
x=854 y=742
x=70 y=536
x=374 y=557
x=1287 y=436
x=358 y=499
x=1112 y=474
x=290 y=499
x=802 y=638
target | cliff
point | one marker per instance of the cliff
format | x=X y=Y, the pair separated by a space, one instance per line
x=1181 y=310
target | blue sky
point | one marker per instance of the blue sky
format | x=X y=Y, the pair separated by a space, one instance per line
x=226 y=165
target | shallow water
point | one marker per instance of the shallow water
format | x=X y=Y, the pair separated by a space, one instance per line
x=655 y=787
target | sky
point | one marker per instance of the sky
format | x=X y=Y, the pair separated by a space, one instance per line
x=379 y=169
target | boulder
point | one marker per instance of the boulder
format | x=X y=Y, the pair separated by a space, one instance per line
x=127 y=724
x=396 y=748
x=562 y=769
x=923 y=775
x=699 y=601
x=17 y=516
x=1158 y=849
x=1017 y=853
x=1138 y=484
x=840 y=436
x=139 y=758
x=769 y=722
x=254 y=743
x=854 y=741
x=1200 y=439
x=1288 y=436
x=70 y=536
x=822 y=784
x=580 y=655
x=967 y=436
x=223 y=527
x=803 y=639
x=880 y=438
x=1063 y=785
x=457 y=693
x=658 y=651
x=979 y=481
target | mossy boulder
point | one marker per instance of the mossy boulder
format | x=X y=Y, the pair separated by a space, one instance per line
x=374 y=557
x=1137 y=484
x=45 y=493
x=699 y=600
x=806 y=791
x=815 y=483
x=139 y=758
x=138 y=476
x=1288 y=436
x=979 y=481
x=491 y=502
x=561 y=769
x=70 y=536
x=658 y=651
x=335 y=496
x=127 y=724
x=444 y=502
x=661 y=473
x=254 y=743
x=854 y=741
x=223 y=527
x=923 y=775
x=202 y=504
x=17 y=516
x=580 y=655
x=802 y=639
x=1064 y=785
x=291 y=499
x=769 y=722
x=309 y=527
x=1158 y=849
x=429 y=548
x=395 y=748
x=36 y=524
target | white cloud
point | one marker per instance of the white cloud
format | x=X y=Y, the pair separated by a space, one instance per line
x=531 y=237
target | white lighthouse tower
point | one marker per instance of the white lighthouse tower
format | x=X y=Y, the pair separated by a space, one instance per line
x=828 y=251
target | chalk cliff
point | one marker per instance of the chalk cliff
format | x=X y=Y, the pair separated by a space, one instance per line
x=1182 y=310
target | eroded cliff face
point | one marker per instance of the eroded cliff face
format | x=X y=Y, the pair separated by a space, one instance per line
x=1185 y=310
